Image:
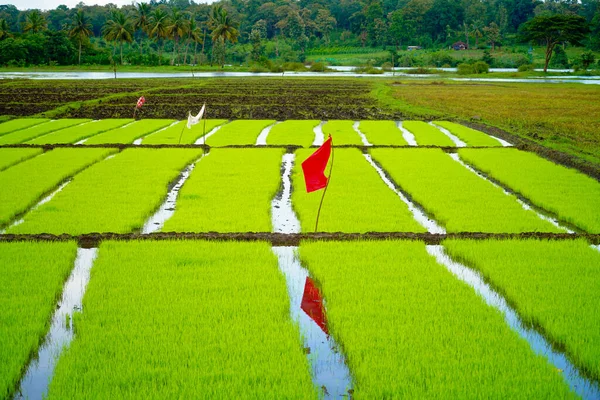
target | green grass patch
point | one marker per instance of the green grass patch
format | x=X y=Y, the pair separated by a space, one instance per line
x=357 y=200
x=181 y=320
x=76 y=133
x=171 y=134
x=427 y=135
x=470 y=136
x=131 y=132
x=10 y=157
x=457 y=198
x=116 y=195
x=230 y=190
x=342 y=132
x=24 y=184
x=21 y=123
x=382 y=132
x=296 y=132
x=31 y=277
x=552 y=284
x=241 y=131
x=33 y=132
x=571 y=195
x=411 y=330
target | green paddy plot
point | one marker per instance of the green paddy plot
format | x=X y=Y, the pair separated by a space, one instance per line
x=31 y=278
x=130 y=132
x=382 y=133
x=468 y=135
x=26 y=183
x=9 y=157
x=76 y=133
x=342 y=132
x=427 y=135
x=293 y=132
x=456 y=197
x=180 y=319
x=411 y=330
x=27 y=134
x=116 y=195
x=230 y=190
x=357 y=199
x=171 y=134
x=571 y=195
x=552 y=284
x=240 y=132
x=21 y=123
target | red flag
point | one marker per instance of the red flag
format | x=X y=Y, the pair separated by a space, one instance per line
x=140 y=102
x=312 y=304
x=314 y=167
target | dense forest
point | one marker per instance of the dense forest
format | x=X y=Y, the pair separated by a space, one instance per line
x=255 y=32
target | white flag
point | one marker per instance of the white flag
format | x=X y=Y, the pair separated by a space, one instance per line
x=194 y=120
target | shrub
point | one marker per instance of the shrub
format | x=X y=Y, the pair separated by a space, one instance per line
x=525 y=67
x=386 y=66
x=318 y=67
x=421 y=71
x=481 y=67
x=464 y=69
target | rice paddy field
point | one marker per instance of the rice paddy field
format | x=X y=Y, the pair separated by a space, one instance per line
x=446 y=264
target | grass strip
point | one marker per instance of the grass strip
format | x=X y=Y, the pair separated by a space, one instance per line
x=179 y=319
x=468 y=135
x=427 y=135
x=554 y=285
x=171 y=134
x=31 y=277
x=243 y=131
x=230 y=190
x=76 y=133
x=357 y=199
x=568 y=193
x=382 y=133
x=24 y=184
x=342 y=132
x=411 y=330
x=24 y=135
x=117 y=195
x=457 y=198
x=293 y=132
x=10 y=157
x=21 y=123
x=129 y=133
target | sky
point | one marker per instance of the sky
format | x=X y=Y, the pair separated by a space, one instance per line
x=52 y=4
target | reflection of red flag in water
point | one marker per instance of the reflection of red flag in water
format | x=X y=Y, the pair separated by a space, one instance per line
x=312 y=304
x=314 y=167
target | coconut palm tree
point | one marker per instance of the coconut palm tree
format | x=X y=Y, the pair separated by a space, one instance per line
x=118 y=28
x=141 y=20
x=177 y=28
x=159 y=20
x=224 y=28
x=80 y=28
x=4 y=29
x=194 y=36
x=35 y=22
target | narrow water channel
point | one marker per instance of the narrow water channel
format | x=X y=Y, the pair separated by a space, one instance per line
x=364 y=139
x=319 y=135
x=261 y=140
x=455 y=139
x=202 y=139
x=407 y=135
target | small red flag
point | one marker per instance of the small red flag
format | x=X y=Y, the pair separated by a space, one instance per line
x=141 y=102
x=312 y=305
x=314 y=167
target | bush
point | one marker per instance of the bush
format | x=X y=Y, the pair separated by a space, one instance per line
x=525 y=67
x=481 y=67
x=386 y=66
x=294 y=66
x=421 y=71
x=559 y=58
x=464 y=69
x=318 y=67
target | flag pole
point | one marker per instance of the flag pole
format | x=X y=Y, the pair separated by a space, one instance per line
x=204 y=133
x=325 y=190
x=181 y=134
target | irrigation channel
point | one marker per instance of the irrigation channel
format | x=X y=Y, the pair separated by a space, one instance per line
x=261 y=140
x=407 y=135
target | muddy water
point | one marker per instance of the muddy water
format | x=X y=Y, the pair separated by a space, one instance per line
x=202 y=140
x=261 y=140
x=456 y=140
x=408 y=136
x=319 y=135
x=362 y=135
x=579 y=384
x=35 y=382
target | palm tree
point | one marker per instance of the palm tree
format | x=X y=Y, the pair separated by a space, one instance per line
x=159 y=20
x=118 y=28
x=4 y=29
x=224 y=28
x=80 y=28
x=141 y=19
x=177 y=28
x=35 y=22
x=195 y=36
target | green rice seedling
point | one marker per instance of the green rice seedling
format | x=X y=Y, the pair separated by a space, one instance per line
x=571 y=195
x=411 y=330
x=230 y=190
x=184 y=319
x=243 y=131
x=552 y=284
x=9 y=157
x=382 y=133
x=342 y=132
x=468 y=135
x=171 y=134
x=24 y=184
x=116 y=195
x=357 y=199
x=294 y=132
x=457 y=198
x=131 y=132
x=21 y=123
x=427 y=135
x=27 y=134
x=76 y=133
x=31 y=278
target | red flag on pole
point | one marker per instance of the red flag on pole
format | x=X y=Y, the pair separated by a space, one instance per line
x=312 y=305
x=140 y=102
x=314 y=167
